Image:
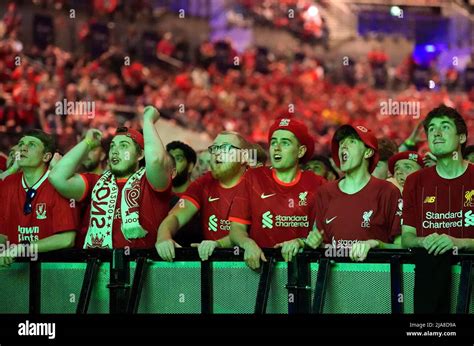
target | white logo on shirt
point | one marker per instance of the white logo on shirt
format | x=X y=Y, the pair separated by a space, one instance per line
x=366 y=219
x=263 y=196
x=41 y=211
x=302 y=197
x=213 y=199
x=330 y=220
x=468 y=219
x=400 y=207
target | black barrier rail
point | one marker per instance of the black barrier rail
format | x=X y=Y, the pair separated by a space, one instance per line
x=125 y=298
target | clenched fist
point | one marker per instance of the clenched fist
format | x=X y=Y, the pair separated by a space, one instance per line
x=151 y=114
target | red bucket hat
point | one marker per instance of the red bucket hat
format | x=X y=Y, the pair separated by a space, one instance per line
x=365 y=135
x=404 y=155
x=299 y=129
x=133 y=134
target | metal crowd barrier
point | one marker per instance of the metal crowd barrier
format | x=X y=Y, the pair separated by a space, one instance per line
x=138 y=281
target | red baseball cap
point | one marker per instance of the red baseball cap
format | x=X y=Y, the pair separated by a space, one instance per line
x=299 y=129
x=404 y=155
x=365 y=135
x=133 y=134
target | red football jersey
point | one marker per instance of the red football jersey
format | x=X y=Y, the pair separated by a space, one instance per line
x=276 y=211
x=154 y=206
x=436 y=205
x=50 y=213
x=372 y=213
x=214 y=202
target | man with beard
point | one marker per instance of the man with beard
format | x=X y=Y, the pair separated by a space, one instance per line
x=277 y=203
x=185 y=159
x=358 y=212
x=94 y=161
x=127 y=203
x=212 y=195
x=33 y=212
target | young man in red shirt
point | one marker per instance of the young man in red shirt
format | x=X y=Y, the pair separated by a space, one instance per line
x=126 y=204
x=276 y=206
x=33 y=211
x=212 y=195
x=359 y=211
x=438 y=201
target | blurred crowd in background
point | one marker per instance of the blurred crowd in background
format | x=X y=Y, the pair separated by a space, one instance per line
x=215 y=88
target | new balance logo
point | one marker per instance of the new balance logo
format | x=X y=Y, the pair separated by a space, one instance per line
x=212 y=224
x=263 y=196
x=328 y=221
x=430 y=199
x=267 y=220
x=213 y=199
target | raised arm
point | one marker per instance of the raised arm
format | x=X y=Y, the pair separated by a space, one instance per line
x=64 y=177
x=158 y=168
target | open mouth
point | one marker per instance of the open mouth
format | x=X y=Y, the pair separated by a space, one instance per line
x=344 y=156
x=277 y=157
x=114 y=161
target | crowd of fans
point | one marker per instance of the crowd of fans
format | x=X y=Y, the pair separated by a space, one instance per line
x=302 y=18
x=219 y=90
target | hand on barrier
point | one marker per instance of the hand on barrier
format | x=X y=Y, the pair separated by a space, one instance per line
x=205 y=248
x=253 y=254
x=360 y=249
x=315 y=238
x=6 y=261
x=428 y=240
x=289 y=249
x=165 y=249
x=441 y=244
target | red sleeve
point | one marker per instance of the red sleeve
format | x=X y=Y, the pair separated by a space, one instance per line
x=394 y=206
x=319 y=209
x=90 y=180
x=240 y=211
x=64 y=215
x=409 y=202
x=194 y=192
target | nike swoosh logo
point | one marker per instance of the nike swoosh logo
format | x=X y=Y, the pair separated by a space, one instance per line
x=263 y=196
x=330 y=220
x=213 y=199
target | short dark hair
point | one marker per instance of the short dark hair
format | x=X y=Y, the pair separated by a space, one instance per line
x=346 y=131
x=387 y=148
x=47 y=140
x=451 y=113
x=188 y=152
x=468 y=150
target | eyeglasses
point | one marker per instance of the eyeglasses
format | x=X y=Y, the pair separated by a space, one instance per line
x=224 y=148
x=28 y=206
